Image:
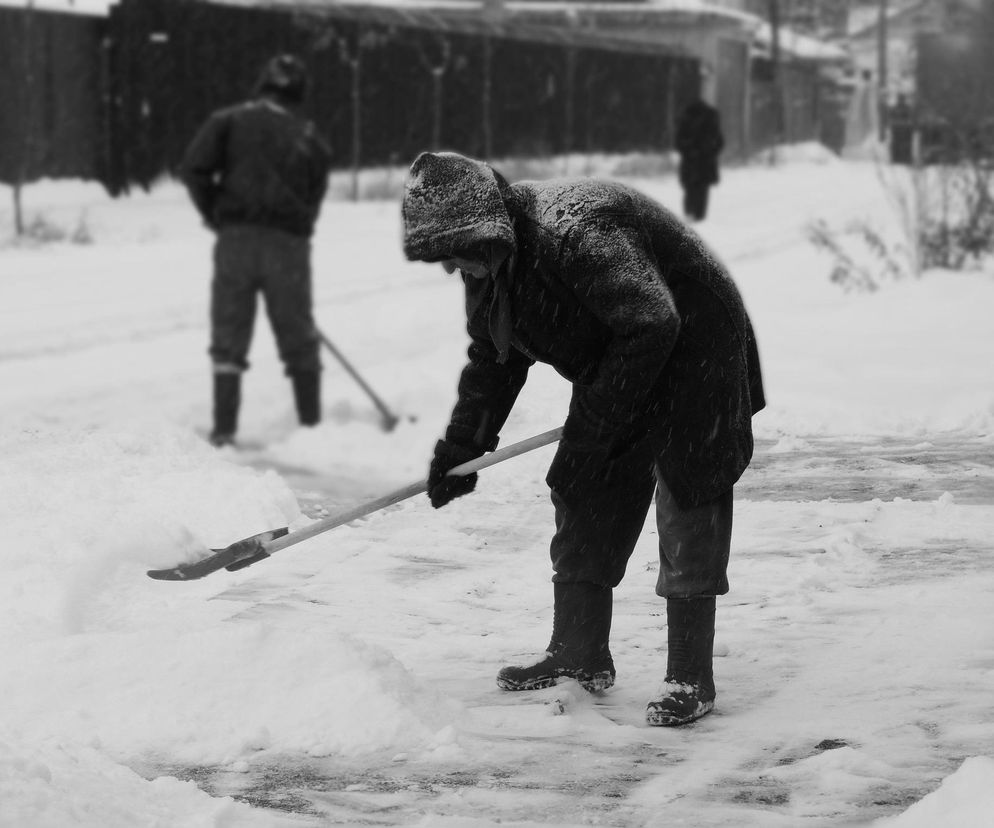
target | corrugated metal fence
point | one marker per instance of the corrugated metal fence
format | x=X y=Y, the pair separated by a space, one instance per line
x=52 y=87
x=118 y=99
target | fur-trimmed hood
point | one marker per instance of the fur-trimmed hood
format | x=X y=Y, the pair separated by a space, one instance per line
x=452 y=204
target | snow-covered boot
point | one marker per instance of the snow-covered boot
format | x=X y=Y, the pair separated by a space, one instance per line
x=307 y=395
x=581 y=627
x=688 y=690
x=227 y=400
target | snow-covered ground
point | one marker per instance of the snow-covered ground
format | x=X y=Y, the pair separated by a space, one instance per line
x=350 y=679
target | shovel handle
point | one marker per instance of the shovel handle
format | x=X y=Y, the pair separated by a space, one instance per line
x=412 y=489
x=389 y=418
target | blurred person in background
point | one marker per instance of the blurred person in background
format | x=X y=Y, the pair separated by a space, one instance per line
x=626 y=303
x=902 y=130
x=258 y=173
x=699 y=141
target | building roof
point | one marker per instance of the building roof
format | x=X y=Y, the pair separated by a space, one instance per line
x=97 y=8
x=797 y=46
x=613 y=8
x=646 y=26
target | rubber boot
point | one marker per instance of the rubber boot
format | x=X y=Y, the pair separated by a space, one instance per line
x=581 y=627
x=688 y=690
x=307 y=396
x=227 y=399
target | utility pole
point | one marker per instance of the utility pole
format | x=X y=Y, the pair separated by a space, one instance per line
x=493 y=11
x=26 y=92
x=350 y=53
x=882 y=41
x=776 y=68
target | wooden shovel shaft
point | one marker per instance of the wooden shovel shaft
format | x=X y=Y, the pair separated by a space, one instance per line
x=412 y=489
x=389 y=418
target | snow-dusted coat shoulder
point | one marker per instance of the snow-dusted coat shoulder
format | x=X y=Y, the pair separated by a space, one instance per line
x=621 y=298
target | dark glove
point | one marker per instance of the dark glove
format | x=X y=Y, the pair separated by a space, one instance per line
x=443 y=487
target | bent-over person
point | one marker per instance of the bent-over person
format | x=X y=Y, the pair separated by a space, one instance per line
x=627 y=303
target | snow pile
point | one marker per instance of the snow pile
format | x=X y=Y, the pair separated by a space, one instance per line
x=90 y=506
x=59 y=784
x=964 y=800
x=217 y=695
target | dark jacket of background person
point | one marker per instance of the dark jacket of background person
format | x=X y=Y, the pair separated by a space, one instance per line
x=258 y=163
x=614 y=292
x=699 y=141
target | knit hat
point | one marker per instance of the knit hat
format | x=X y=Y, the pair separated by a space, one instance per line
x=284 y=76
x=452 y=204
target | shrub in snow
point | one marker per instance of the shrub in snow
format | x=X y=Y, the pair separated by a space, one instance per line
x=946 y=210
x=42 y=230
x=862 y=258
x=942 y=217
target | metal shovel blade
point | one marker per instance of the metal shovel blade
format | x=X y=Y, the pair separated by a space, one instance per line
x=236 y=556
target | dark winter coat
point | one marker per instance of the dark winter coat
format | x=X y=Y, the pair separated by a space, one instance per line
x=617 y=295
x=699 y=141
x=258 y=163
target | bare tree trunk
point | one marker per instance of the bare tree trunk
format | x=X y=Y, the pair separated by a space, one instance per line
x=487 y=97
x=18 y=210
x=356 y=93
x=569 y=116
x=588 y=117
x=779 y=121
x=437 y=72
x=27 y=122
x=671 y=85
x=882 y=71
x=351 y=56
x=494 y=11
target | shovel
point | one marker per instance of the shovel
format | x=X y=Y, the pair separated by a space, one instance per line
x=258 y=547
x=390 y=419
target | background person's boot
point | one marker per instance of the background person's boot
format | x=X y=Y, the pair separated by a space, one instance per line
x=307 y=396
x=581 y=627
x=688 y=690
x=227 y=399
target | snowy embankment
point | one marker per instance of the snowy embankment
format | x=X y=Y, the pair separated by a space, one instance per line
x=856 y=649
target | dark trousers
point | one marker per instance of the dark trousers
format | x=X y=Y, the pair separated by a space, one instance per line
x=901 y=144
x=695 y=201
x=598 y=523
x=253 y=260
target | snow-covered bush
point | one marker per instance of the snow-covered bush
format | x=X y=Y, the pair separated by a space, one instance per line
x=946 y=210
x=41 y=229
x=863 y=259
x=942 y=217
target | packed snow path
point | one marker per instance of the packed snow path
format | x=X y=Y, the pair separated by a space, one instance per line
x=833 y=707
x=350 y=679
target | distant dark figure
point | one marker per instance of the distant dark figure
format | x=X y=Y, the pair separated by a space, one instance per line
x=699 y=141
x=258 y=172
x=902 y=129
